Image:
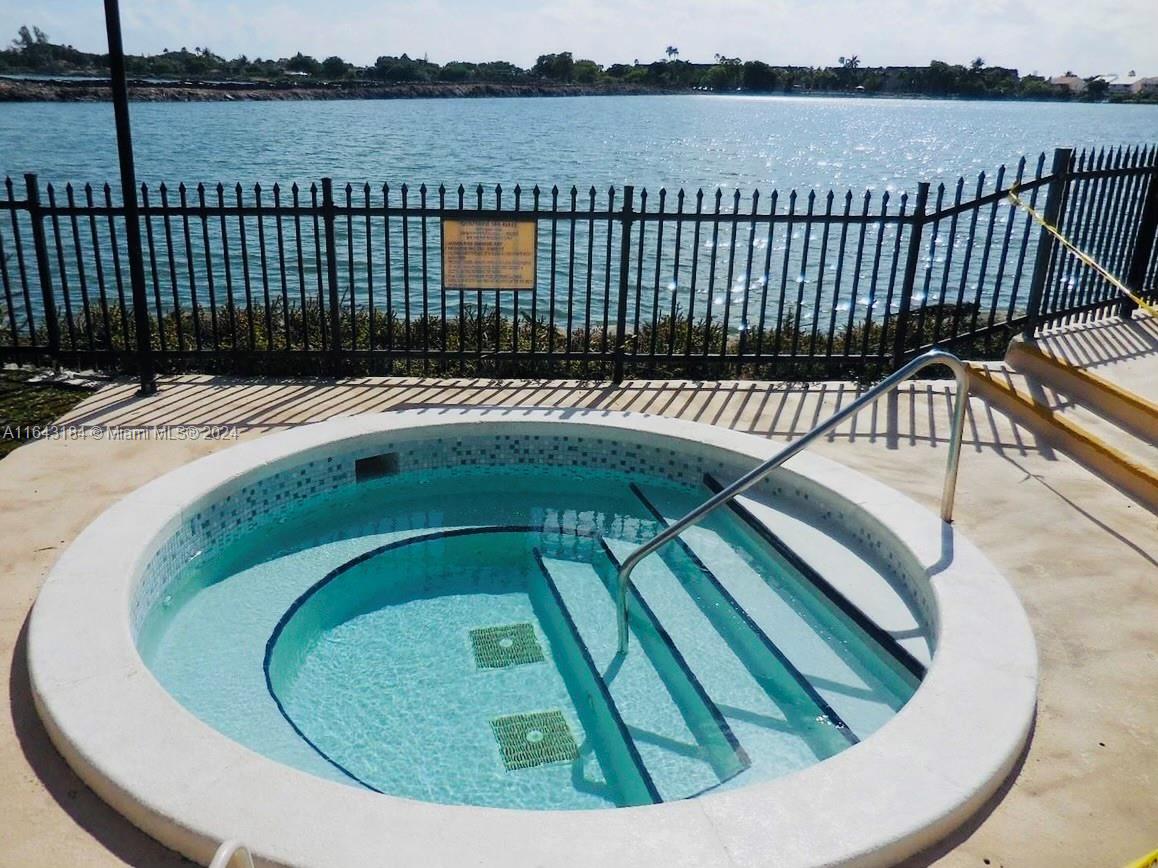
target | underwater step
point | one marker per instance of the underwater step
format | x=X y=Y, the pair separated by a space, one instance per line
x=775 y=720
x=845 y=668
x=846 y=577
x=619 y=760
x=683 y=745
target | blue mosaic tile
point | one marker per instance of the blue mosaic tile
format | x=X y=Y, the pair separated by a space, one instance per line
x=235 y=514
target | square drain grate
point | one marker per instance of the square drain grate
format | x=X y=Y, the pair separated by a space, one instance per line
x=509 y=645
x=534 y=739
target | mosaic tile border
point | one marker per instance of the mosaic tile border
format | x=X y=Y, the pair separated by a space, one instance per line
x=224 y=520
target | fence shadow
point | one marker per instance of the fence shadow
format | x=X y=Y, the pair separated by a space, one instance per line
x=917 y=414
x=1105 y=343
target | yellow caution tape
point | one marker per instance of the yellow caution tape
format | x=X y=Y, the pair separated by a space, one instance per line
x=1081 y=255
x=1145 y=861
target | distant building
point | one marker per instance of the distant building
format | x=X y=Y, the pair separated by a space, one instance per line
x=1145 y=85
x=1072 y=83
x=1120 y=86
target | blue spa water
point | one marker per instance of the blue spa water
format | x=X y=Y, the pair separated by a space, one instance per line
x=336 y=638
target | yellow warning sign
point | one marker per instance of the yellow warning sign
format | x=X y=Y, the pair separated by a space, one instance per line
x=488 y=254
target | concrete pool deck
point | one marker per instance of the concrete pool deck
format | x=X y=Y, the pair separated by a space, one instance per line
x=1079 y=553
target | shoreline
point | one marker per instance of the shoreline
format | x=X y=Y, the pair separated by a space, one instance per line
x=143 y=90
x=38 y=90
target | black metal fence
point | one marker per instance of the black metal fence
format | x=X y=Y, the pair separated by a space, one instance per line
x=349 y=280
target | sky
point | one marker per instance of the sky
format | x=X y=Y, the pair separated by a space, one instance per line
x=1044 y=36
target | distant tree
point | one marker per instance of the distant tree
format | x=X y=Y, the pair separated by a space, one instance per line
x=499 y=70
x=1096 y=88
x=401 y=69
x=850 y=62
x=456 y=71
x=672 y=52
x=28 y=38
x=302 y=63
x=556 y=67
x=759 y=76
x=978 y=64
x=726 y=74
x=587 y=71
x=334 y=67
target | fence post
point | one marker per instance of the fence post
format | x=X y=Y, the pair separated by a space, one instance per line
x=44 y=273
x=1059 y=175
x=335 y=347
x=1143 y=245
x=129 y=201
x=909 y=279
x=624 y=275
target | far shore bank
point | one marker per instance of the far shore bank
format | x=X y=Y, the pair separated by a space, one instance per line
x=144 y=90
x=82 y=90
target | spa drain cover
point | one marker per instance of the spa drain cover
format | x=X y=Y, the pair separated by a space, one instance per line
x=509 y=645
x=535 y=739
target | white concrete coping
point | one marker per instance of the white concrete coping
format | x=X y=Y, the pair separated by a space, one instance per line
x=190 y=787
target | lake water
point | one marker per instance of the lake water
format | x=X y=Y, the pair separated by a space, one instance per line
x=732 y=142
x=739 y=277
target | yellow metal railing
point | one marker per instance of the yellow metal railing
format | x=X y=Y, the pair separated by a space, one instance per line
x=1082 y=256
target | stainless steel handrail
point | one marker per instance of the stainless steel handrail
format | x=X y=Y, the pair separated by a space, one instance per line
x=933 y=357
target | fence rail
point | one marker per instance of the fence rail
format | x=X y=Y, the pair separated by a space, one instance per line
x=348 y=279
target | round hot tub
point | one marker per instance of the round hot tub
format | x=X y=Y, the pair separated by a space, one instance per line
x=392 y=638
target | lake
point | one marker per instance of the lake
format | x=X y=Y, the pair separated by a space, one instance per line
x=731 y=142
x=736 y=277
